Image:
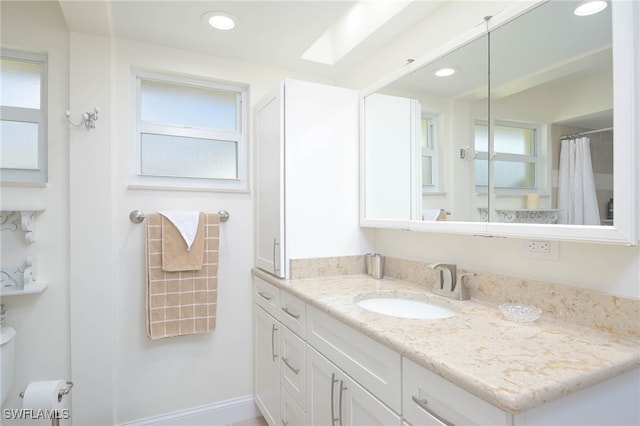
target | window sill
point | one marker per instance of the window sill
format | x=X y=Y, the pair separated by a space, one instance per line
x=199 y=185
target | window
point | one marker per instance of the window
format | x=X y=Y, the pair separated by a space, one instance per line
x=516 y=155
x=189 y=134
x=428 y=147
x=23 y=131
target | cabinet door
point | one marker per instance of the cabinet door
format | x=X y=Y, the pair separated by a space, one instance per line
x=360 y=408
x=269 y=185
x=334 y=398
x=267 y=365
x=321 y=390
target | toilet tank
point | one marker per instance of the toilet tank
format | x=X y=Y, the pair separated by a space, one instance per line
x=7 y=349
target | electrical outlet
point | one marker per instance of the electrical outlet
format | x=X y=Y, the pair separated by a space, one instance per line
x=539 y=246
x=540 y=249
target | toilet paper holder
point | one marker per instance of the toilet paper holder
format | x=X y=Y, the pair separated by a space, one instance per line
x=62 y=393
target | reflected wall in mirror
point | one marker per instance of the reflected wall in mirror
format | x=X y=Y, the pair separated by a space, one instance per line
x=552 y=88
x=550 y=78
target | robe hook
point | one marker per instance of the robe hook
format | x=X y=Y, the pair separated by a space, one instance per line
x=88 y=119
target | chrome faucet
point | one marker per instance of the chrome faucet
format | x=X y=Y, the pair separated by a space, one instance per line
x=449 y=283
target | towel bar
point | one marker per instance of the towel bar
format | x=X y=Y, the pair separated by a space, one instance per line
x=137 y=216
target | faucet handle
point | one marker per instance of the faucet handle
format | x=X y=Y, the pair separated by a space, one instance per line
x=462 y=288
x=448 y=269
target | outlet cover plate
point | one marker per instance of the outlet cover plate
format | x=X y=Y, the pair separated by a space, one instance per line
x=541 y=249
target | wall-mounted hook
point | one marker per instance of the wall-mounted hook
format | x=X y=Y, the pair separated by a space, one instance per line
x=467 y=154
x=88 y=119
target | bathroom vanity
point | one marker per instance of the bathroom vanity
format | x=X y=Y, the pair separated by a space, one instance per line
x=322 y=359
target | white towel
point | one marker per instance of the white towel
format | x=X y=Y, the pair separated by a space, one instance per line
x=186 y=222
x=431 y=214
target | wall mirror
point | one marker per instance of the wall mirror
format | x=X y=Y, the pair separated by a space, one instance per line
x=516 y=138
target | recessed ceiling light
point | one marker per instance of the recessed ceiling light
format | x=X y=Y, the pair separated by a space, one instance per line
x=219 y=20
x=590 y=7
x=445 y=72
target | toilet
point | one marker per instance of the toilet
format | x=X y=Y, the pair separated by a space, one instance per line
x=7 y=348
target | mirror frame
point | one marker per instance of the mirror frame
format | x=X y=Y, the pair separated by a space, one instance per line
x=626 y=18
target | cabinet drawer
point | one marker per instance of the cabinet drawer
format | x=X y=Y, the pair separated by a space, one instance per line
x=292 y=356
x=290 y=411
x=267 y=296
x=373 y=365
x=428 y=399
x=293 y=313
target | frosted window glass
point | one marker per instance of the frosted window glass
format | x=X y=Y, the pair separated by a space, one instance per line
x=481 y=138
x=18 y=145
x=481 y=171
x=188 y=106
x=20 y=83
x=511 y=174
x=177 y=156
x=427 y=171
x=514 y=140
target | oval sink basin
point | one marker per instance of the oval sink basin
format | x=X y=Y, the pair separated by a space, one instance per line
x=406 y=308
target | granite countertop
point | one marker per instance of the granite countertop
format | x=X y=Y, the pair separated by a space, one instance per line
x=513 y=366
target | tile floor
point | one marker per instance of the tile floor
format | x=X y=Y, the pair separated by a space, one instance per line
x=259 y=421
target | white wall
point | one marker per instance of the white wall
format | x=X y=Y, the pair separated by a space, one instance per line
x=140 y=378
x=42 y=320
x=89 y=325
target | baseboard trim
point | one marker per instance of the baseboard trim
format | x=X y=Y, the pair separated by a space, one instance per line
x=218 y=413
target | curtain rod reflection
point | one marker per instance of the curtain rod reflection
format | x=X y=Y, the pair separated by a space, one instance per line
x=573 y=135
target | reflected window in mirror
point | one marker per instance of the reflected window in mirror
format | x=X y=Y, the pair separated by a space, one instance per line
x=516 y=158
x=23 y=133
x=429 y=151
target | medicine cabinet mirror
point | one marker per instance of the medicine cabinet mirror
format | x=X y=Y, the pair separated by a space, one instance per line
x=479 y=151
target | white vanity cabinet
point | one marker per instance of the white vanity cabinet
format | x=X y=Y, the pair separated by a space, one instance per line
x=334 y=398
x=350 y=377
x=311 y=368
x=267 y=330
x=376 y=367
x=428 y=399
x=279 y=355
x=307 y=147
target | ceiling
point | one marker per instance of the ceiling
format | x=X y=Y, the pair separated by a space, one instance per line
x=269 y=33
x=522 y=55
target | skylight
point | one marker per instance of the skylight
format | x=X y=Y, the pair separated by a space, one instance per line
x=358 y=23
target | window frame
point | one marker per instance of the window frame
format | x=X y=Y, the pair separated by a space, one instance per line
x=431 y=151
x=535 y=158
x=240 y=136
x=40 y=175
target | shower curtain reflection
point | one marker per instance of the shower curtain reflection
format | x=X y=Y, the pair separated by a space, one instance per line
x=577 y=200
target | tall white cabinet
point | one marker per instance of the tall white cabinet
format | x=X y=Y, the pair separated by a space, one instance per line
x=306 y=175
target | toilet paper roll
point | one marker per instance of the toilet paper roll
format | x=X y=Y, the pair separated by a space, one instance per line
x=44 y=395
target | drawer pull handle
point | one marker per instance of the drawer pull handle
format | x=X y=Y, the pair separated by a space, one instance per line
x=288 y=312
x=276 y=265
x=286 y=362
x=333 y=382
x=422 y=403
x=342 y=388
x=264 y=296
x=274 y=355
